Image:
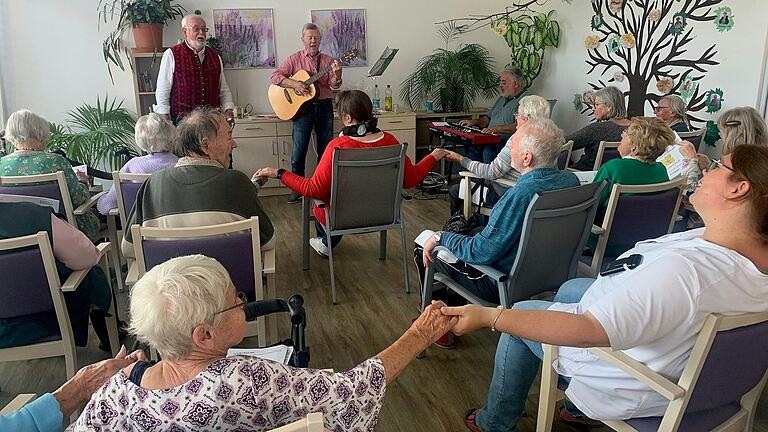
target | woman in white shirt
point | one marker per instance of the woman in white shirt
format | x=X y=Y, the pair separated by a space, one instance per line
x=653 y=313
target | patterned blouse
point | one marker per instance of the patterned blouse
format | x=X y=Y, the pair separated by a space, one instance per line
x=38 y=162
x=241 y=393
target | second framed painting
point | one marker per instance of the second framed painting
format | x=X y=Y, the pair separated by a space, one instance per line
x=247 y=37
x=342 y=30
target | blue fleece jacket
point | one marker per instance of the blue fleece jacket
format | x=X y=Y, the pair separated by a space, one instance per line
x=497 y=244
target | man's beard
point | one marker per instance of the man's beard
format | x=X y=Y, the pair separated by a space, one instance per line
x=197 y=44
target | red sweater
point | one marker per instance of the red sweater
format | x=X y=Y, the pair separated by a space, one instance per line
x=319 y=186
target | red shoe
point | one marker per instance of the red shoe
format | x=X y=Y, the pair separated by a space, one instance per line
x=469 y=420
x=582 y=422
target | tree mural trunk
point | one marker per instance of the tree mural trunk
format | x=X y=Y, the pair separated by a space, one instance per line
x=638 y=87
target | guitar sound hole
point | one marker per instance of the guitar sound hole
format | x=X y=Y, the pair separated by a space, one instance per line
x=288 y=95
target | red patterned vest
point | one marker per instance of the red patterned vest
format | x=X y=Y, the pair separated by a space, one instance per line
x=194 y=84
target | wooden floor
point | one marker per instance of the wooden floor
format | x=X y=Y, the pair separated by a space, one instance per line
x=372 y=311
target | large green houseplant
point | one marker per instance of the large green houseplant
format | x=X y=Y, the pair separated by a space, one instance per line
x=453 y=79
x=145 y=17
x=93 y=134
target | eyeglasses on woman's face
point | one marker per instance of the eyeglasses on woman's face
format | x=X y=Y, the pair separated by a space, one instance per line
x=715 y=164
x=242 y=300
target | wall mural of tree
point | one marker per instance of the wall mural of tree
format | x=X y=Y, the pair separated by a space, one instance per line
x=648 y=41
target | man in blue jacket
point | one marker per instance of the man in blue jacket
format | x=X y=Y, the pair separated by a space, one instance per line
x=534 y=150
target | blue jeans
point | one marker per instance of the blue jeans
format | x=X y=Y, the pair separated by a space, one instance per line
x=317 y=115
x=335 y=240
x=517 y=361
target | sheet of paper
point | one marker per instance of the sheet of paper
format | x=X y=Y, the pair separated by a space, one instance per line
x=278 y=353
x=585 y=177
x=672 y=159
x=439 y=123
x=475 y=194
x=52 y=203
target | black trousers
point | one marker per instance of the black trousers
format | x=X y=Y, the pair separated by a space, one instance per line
x=469 y=278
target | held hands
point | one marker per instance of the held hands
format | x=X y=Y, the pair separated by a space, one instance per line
x=470 y=317
x=432 y=323
x=439 y=153
x=453 y=156
x=267 y=172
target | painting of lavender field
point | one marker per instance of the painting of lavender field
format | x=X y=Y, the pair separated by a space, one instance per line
x=342 y=30
x=247 y=37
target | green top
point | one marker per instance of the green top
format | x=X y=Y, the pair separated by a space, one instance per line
x=680 y=127
x=34 y=162
x=624 y=171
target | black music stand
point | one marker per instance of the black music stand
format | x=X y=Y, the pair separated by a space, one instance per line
x=382 y=63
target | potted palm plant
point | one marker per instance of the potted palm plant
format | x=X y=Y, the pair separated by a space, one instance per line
x=145 y=17
x=453 y=79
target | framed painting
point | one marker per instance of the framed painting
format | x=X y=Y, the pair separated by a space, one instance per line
x=342 y=30
x=247 y=37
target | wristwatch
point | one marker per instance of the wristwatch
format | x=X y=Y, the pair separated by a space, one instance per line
x=280 y=173
x=438 y=234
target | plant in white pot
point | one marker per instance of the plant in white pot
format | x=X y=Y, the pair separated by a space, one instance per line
x=145 y=17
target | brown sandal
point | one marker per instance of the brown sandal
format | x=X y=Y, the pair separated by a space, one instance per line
x=469 y=420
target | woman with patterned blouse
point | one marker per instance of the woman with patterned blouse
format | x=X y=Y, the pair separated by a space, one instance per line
x=188 y=309
x=28 y=132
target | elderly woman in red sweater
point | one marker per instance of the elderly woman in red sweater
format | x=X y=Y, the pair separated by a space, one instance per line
x=355 y=110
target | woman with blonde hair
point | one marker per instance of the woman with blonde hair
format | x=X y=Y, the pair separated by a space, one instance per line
x=530 y=107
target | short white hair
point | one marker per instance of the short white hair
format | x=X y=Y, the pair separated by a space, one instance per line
x=188 y=17
x=153 y=134
x=173 y=298
x=544 y=140
x=24 y=125
x=533 y=106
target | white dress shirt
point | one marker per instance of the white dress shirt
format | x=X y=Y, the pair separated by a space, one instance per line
x=165 y=82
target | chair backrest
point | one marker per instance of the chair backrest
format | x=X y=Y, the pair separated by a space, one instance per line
x=127 y=187
x=366 y=188
x=53 y=186
x=30 y=281
x=555 y=230
x=694 y=137
x=312 y=423
x=565 y=156
x=235 y=245
x=641 y=212
x=606 y=151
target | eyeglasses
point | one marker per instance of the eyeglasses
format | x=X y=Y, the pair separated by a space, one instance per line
x=243 y=300
x=715 y=164
x=659 y=107
x=196 y=29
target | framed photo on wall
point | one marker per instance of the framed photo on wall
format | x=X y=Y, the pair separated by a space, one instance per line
x=342 y=30
x=247 y=37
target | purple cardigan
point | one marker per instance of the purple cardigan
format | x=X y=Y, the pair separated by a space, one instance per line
x=148 y=164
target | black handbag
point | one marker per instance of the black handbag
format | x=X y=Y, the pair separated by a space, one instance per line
x=457 y=223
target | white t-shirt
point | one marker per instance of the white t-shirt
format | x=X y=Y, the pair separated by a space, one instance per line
x=654 y=314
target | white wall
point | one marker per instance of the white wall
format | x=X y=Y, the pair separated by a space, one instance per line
x=52 y=61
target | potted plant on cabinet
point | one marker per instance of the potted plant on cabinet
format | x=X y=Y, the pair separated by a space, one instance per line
x=452 y=78
x=145 y=17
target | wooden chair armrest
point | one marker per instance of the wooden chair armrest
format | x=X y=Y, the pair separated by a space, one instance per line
x=133 y=273
x=469 y=174
x=114 y=212
x=505 y=182
x=90 y=202
x=18 y=403
x=641 y=372
x=597 y=230
x=103 y=247
x=76 y=278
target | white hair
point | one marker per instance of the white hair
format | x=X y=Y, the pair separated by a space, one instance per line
x=544 y=140
x=154 y=134
x=533 y=106
x=24 y=125
x=173 y=298
x=188 y=17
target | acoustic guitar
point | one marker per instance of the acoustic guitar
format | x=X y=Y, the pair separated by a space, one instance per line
x=287 y=103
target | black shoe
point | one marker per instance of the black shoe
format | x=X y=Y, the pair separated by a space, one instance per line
x=294 y=198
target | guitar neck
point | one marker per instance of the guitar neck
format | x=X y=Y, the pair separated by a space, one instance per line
x=319 y=74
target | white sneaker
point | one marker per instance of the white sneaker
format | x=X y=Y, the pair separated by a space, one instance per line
x=318 y=245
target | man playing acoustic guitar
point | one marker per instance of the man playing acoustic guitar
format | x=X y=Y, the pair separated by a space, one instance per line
x=319 y=111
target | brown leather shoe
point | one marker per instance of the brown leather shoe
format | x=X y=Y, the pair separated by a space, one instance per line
x=469 y=420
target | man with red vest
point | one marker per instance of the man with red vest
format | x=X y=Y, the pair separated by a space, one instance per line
x=319 y=112
x=192 y=75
